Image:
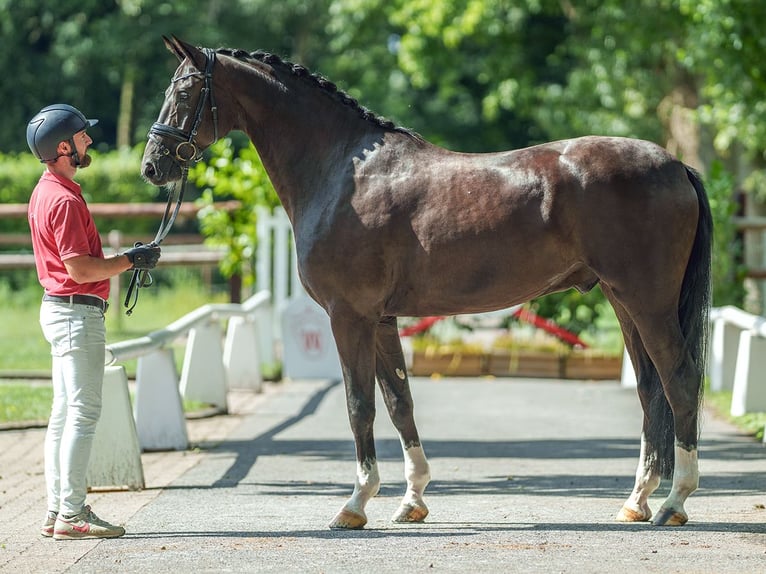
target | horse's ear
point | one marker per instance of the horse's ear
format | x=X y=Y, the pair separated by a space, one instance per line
x=173 y=45
x=182 y=50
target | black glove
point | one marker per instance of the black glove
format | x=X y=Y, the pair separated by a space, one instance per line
x=143 y=256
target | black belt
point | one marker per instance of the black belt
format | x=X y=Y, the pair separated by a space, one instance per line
x=79 y=300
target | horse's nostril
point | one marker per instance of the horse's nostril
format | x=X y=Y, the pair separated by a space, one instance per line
x=149 y=170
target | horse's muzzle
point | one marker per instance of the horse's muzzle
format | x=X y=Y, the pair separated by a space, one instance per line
x=159 y=170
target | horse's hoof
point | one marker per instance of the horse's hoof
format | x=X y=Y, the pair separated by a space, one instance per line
x=410 y=513
x=348 y=520
x=630 y=515
x=668 y=517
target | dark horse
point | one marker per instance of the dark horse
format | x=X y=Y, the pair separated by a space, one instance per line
x=387 y=225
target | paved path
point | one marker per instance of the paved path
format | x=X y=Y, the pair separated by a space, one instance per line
x=527 y=476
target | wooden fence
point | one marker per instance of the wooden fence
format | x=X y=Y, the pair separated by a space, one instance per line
x=182 y=249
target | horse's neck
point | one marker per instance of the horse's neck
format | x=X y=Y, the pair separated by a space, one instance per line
x=302 y=138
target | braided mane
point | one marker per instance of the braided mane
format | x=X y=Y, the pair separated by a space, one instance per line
x=320 y=82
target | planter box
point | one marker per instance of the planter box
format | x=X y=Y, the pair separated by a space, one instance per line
x=502 y=363
x=587 y=366
x=526 y=364
x=425 y=364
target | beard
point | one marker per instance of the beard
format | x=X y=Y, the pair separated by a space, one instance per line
x=85 y=161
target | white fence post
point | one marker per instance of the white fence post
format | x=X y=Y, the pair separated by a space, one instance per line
x=115 y=459
x=749 y=391
x=277 y=264
x=241 y=356
x=628 y=377
x=203 y=377
x=309 y=347
x=263 y=258
x=723 y=354
x=158 y=410
x=263 y=318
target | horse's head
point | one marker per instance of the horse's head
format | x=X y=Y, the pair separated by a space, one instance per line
x=188 y=120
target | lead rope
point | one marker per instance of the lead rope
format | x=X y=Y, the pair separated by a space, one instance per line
x=141 y=277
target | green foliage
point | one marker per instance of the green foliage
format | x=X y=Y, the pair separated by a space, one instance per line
x=113 y=177
x=18 y=176
x=232 y=173
x=580 y=313
x=725 y=47
x=728 y=274
x=472 y=75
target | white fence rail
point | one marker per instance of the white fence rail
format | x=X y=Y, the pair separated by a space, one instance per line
x=737 y=359
x=213 y=363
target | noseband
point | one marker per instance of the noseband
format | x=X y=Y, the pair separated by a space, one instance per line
x=187 y=150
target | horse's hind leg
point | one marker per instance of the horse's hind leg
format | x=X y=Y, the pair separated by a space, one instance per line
x=671 y=413
x=681 y=383
x=636 y=507
x=395 y=387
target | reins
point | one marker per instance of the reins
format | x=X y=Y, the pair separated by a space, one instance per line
x=186 y=151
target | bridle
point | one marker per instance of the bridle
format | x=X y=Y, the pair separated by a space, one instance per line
x=186 y=152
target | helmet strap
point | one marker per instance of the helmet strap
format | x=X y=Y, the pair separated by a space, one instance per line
x=74 y=155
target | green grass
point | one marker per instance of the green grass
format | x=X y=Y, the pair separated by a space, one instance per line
x=23 y=348
x=750 y=423
x=24 y=402
x=27 y=402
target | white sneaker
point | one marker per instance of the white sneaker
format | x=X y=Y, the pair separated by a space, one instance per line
x=84 y=525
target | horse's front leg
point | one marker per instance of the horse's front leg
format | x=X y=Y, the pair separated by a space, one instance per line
x=355 y=339
x=392 y=378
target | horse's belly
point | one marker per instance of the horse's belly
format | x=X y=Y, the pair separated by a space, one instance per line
x=460 y=286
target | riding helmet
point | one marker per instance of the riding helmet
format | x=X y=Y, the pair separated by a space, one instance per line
x=54 y=124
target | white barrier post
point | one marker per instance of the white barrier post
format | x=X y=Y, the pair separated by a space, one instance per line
x=723 y=354
x=263 y=317
x=203 y=377
x=240 y=355
x=749 y=392
x=628 y=376
x=115 y=459
x=309 y=347
x=159 y=410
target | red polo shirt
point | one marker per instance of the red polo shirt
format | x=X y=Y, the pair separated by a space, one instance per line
x=62 y=227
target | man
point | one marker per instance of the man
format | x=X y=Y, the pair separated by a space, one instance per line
x=75 y=275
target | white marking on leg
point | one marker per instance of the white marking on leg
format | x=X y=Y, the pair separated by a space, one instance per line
x=400 y=374
x=366 y=486
x=685 y=478
x=646 y=483
x=416 y=471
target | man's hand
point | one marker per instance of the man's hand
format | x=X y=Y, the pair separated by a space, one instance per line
x=143 y=256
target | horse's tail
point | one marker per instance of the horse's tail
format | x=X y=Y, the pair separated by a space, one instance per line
x=693 y=315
